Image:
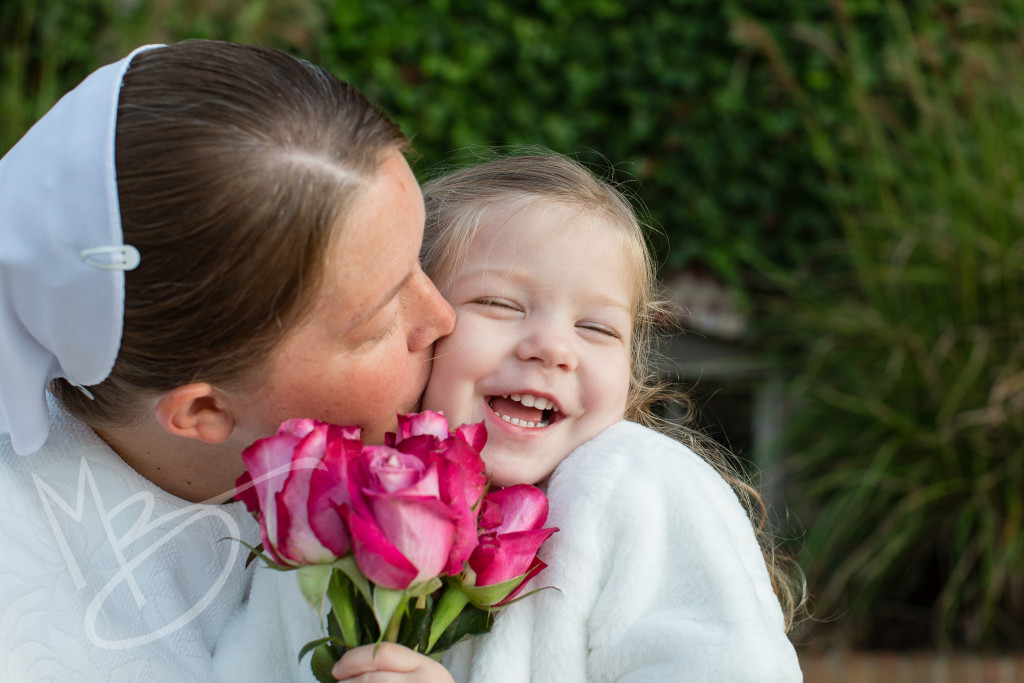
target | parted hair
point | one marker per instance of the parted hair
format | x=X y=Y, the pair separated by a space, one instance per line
x=235 y=167
x=456 y=206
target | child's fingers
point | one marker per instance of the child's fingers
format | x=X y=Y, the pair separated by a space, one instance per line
x=389 y=658
x=360 y=660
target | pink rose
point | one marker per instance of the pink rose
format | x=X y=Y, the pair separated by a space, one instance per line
x=294 y=485
x=462 y=479
x=511 y=533
x=411 y=514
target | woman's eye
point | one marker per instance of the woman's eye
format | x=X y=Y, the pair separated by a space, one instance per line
x=601 y=329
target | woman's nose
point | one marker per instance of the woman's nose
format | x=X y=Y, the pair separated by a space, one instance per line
x=549 y=344
x=432 y=316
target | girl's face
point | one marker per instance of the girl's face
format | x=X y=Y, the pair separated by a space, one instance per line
x=541 y=347
x=363 y=354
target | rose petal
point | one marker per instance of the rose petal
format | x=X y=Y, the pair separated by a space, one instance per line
x=269 y=461
x=296 y=540
x=378 y=559
x=469 y=464
x=490 y=515
x=426 y=422
x=425 y=447
x=346 y=433
x=422 y=528
x=500 y=558
x=297 y=427
x=245 y=492
x=537 y=568
x=475 y=435
x=328 y=492
x=522 y=506
x=461 y=490
x=392 y=470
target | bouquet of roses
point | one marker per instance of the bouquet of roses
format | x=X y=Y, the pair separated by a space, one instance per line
x=403 y=541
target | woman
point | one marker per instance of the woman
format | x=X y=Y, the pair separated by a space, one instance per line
x=199 y=242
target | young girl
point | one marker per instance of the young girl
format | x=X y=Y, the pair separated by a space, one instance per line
x=658 y=571
x=196 y=243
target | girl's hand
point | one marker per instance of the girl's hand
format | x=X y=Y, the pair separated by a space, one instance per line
x=392 y=662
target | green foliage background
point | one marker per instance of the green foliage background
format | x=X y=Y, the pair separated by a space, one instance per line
x=658 y=91
x=852 y=169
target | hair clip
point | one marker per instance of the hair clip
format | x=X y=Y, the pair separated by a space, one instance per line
x=124 y=257
x=88 y=394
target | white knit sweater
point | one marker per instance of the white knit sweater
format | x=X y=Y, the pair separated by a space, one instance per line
x=106 y=578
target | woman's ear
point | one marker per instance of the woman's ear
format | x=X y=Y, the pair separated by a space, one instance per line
x=195 y=411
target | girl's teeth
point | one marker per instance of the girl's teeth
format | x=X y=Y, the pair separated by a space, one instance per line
x=531 y=401
x=522 y=423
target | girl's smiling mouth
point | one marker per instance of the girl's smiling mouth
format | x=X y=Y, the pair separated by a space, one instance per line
x=524 y=410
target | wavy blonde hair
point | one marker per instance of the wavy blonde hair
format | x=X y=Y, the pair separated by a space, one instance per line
x=456 y=205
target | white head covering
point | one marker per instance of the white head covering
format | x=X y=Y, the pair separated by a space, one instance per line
x=62 y=257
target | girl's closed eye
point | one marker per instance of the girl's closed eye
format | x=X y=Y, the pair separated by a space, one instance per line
x=498 y=303
x=600 y=328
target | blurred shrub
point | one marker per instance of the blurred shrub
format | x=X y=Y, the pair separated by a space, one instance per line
x=908 y=433
x=48 y=46
x=656 y=92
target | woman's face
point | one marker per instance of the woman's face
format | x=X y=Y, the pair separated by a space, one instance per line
x=363 y=353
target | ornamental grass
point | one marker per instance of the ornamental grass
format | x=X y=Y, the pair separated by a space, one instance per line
x=907 y=428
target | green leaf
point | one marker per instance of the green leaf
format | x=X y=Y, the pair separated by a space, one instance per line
x=472 y=621
x=523 y=597
x=323 y=660
x=257 y=551
x=424 y=588
x=339 y=593
x=254 y=553
x=313 y=580
x=313 y=644
x=386 y=604
x=449 y=607
x=348 y=565
x=414 y=632
x=488 y=596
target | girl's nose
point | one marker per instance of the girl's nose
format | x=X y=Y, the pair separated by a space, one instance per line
x=549 y=345
x=432 y=317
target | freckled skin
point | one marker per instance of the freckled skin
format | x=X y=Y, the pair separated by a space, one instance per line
x=368 y=372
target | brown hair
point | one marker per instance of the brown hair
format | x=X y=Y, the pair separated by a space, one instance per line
x=456 y=205
x=235 y=164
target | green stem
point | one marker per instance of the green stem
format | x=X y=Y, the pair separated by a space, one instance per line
x=391 y=634
x=339 y=594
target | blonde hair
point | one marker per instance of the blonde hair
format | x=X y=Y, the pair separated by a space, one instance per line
x=456 y=205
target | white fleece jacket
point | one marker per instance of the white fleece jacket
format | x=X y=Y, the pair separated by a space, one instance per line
x=659 y=578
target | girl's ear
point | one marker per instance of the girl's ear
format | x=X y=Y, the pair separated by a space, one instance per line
x=195 y=411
